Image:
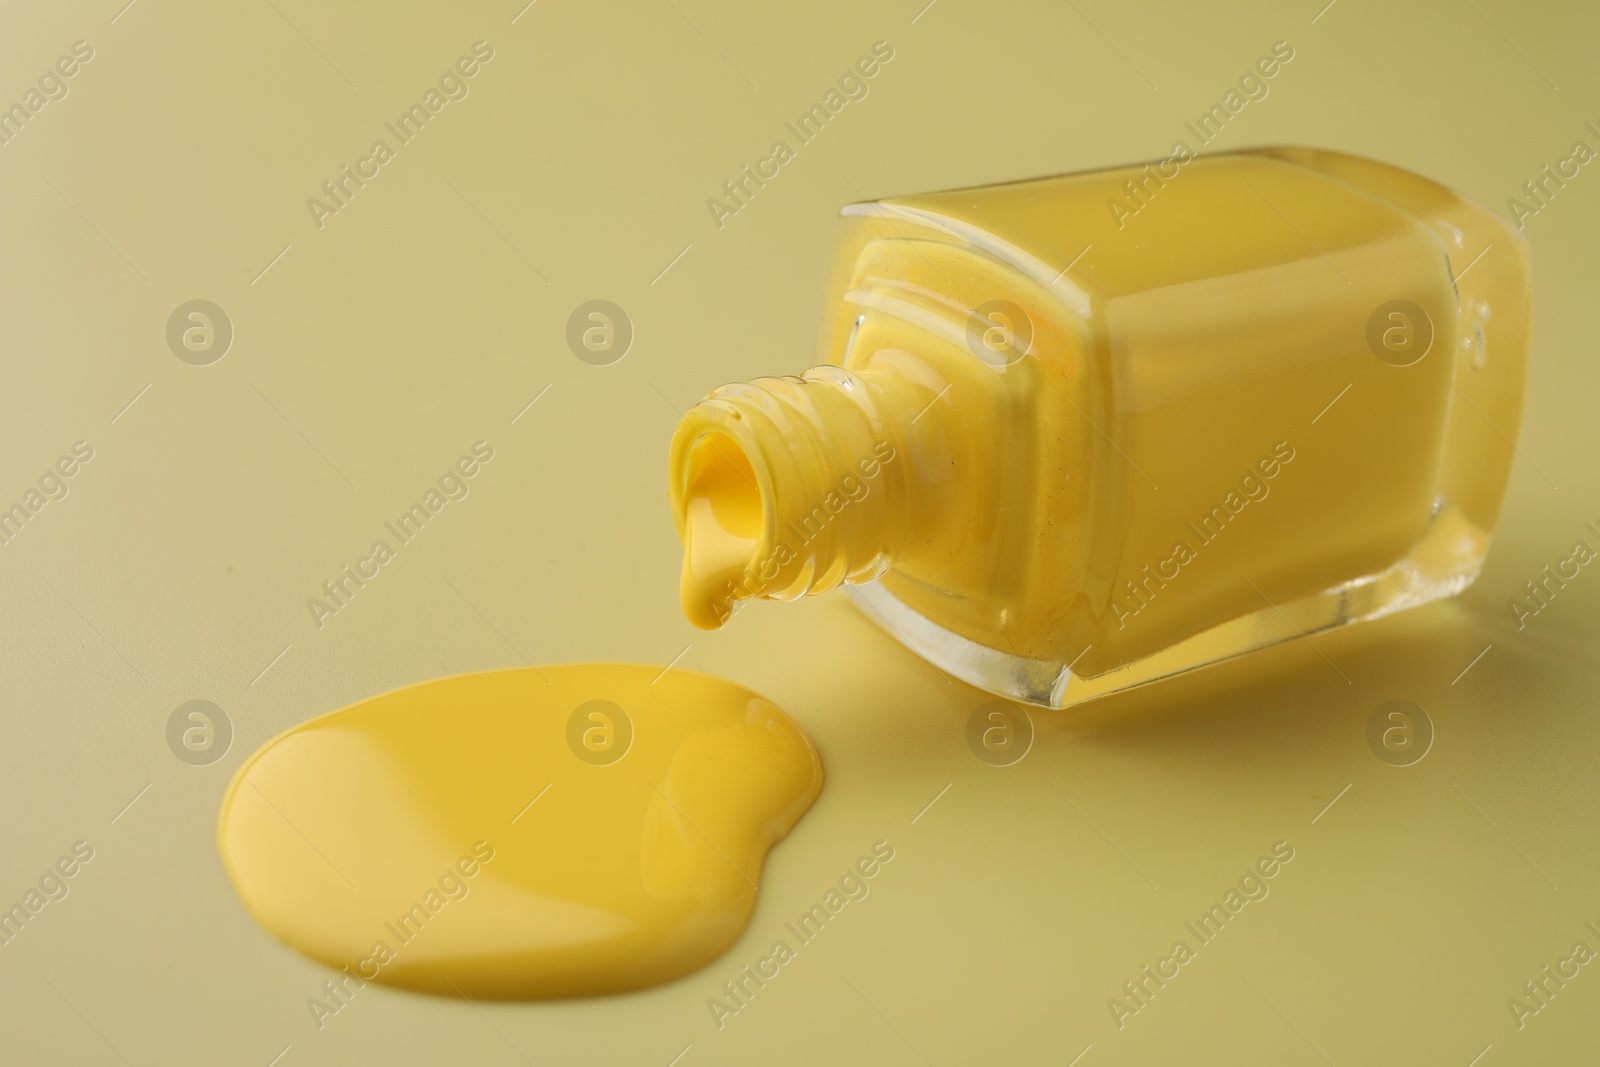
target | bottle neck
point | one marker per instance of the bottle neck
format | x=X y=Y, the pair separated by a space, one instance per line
x=786 y=486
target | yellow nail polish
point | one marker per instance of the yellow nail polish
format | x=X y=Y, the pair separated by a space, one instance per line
x=566 y=831
x=1062 y=448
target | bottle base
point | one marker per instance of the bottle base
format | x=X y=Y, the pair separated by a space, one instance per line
x=1445 y=561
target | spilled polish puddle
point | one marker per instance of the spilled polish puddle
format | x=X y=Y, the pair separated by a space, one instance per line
x=562 y=831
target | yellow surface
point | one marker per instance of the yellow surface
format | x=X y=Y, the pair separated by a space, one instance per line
x=641 y=864
x=407 y=329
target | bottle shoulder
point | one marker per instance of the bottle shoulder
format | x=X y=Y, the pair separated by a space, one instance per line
x=1092 y=237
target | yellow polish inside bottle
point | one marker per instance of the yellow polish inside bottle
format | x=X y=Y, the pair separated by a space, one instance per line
x=1061 y=450
x=562 y=831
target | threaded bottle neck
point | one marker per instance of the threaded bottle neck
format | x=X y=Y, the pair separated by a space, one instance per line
x=823 y=455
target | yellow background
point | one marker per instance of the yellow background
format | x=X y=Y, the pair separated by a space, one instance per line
x=416 y=321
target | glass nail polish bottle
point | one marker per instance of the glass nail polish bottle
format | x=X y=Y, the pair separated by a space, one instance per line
x=1077 y=434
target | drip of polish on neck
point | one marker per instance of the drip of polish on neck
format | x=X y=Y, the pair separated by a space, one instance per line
x=721 y=531
x=714 y=559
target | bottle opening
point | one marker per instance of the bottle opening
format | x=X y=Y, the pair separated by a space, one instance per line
x=723 y=520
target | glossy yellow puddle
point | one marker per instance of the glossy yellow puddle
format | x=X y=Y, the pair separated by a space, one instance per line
x=565 y=831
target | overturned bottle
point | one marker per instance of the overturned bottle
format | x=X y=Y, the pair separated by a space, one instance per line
x=1077 y=434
